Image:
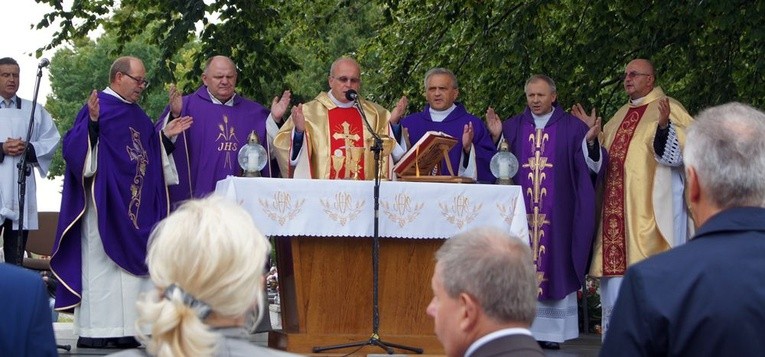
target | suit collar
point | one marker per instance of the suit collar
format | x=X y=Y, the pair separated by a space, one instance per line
x=485 y=339
x=734 y=219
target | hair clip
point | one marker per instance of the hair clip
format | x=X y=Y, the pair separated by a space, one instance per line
x=202 y=309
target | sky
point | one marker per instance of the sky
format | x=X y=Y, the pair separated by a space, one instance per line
x=21 y=42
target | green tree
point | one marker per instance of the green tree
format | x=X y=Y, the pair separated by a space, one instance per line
x=706 y=52
x=239 y=29
x=318 y=32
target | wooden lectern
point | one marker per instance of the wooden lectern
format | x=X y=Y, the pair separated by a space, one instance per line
x=326 y=289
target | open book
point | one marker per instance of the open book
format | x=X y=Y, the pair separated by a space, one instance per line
x=425 y=154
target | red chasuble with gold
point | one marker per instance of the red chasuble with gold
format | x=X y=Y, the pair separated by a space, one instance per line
x=346 y=145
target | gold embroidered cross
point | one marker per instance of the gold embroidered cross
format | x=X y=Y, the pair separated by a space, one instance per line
x=347 y=137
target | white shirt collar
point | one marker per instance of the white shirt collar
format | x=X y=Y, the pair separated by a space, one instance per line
x=228 y=103
x=541 y=120
x=339 y=103
x=495 y=335
x=440 y=115
x=112 y=93
x=12 y=101
x=637 y=102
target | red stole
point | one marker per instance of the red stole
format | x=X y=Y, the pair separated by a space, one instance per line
x=614 y=237
x=346 y=144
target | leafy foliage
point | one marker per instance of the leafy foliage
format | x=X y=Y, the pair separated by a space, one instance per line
x=705 y=52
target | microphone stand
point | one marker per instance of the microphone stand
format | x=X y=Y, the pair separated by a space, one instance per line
x=375 y=339
x=25 y=169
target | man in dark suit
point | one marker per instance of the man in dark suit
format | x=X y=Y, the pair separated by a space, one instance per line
x=25 y=327
x=484 y=295
x=707 y=297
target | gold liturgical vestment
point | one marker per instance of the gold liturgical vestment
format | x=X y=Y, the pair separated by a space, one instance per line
x=641 y=191
x=315 y=161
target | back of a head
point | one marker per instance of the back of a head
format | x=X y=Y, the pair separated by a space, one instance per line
x=496 y=269
x=211 y=250
x=725 y=146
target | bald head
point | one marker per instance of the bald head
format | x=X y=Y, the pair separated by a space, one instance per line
x=643 y=64
x=220 y=77
x=639 y=78
x=127 y=77
x=219 y=61
x=344 y=75
x=344 y=62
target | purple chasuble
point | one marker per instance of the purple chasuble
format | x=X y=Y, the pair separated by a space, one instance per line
x=207 y=152
x=559 y=193
x=419 y=123
x=128 y=189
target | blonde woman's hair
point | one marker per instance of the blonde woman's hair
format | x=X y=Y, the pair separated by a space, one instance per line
x=210 y=250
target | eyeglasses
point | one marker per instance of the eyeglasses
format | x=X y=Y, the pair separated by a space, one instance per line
x=141 y=81
x=347 y=79
x=634 y=74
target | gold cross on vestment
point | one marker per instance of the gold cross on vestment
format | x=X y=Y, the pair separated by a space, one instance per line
x=348 y=138
x=536 y=222
x=537 y=164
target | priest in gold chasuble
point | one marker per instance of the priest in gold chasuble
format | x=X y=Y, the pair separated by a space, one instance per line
x=643 y=208
x=326 y=138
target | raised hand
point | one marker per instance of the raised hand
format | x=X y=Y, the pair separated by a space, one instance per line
x=298 y=119
x=93 y=107
x=467 y=136
x=494 y=124
x=664 y=112
x=175 y=101
x=279 y=106
x=399 y=111
x=592 y=121
x=177 y=126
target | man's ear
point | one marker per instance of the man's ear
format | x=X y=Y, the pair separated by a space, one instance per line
x=470 y=312
x=694 y=188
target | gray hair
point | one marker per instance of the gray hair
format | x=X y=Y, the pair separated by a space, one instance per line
x=725 y=145
x=8 y=61
x=439 y=70
x=494 y=268
x=541 y=77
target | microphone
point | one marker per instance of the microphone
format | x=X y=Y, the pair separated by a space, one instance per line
x=351 y=95
x=44 y=62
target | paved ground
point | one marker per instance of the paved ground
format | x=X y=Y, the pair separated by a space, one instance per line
x=585 y=346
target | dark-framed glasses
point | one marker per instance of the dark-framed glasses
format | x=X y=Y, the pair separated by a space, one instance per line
x=634 y=74
x=140 y=81
x=345 y=79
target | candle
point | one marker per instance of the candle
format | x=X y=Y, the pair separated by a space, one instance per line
x=252 y=160
x=504 y=168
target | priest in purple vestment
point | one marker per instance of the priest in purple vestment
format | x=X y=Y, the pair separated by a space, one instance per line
x=471 y=156
x=207 y=152
x=560 y=160
x=114 y=193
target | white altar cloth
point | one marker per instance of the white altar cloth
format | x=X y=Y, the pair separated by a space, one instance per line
x=345 y=208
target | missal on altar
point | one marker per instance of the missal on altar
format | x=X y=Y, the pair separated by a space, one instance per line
x=424 y=156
